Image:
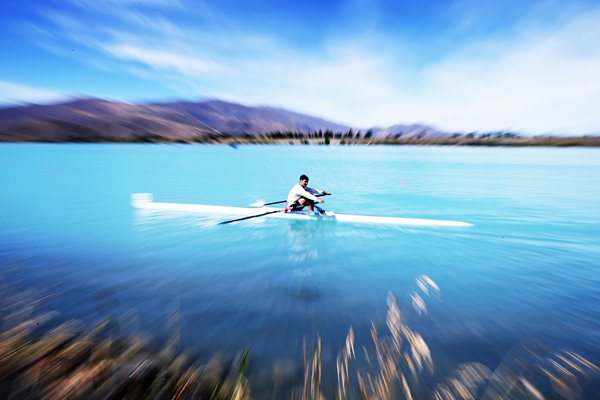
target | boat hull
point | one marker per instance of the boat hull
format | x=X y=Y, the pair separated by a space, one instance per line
x=145 y=201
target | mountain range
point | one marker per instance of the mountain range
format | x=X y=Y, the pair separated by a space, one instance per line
x=92 y=119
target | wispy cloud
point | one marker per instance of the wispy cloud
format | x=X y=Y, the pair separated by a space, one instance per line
x=191 y=66
x=17 y=93
x=544 y=82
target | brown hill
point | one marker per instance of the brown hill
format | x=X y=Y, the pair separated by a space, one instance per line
x=102 y=120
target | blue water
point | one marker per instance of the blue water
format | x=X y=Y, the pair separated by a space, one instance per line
x=528 y=270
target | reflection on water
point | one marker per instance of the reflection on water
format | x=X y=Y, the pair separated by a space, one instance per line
x=301 y=242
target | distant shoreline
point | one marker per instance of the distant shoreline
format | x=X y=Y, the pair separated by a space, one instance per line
x=91 y=120
x=592 y=141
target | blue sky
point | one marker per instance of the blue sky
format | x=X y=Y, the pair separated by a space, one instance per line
x=530 y=66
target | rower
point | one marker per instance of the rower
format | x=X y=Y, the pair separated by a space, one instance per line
x=301 y=195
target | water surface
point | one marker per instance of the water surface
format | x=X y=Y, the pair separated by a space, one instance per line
x=528 y=270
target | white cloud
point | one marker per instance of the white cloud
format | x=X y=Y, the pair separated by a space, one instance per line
x=164 y=59
x=543 y=83
x=336 y=84
x=11 y=92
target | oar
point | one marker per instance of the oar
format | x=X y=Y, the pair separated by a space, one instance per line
x=282 y=201
x=252 y=216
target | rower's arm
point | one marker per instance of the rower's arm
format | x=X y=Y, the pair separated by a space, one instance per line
x=309 y=193
x=318 y=191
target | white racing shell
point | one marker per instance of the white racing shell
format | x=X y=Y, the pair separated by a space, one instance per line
x=145 y=201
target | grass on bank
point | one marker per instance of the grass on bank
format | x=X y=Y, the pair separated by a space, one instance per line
x=73 y=362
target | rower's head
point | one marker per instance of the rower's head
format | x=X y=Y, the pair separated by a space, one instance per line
x=303 y=180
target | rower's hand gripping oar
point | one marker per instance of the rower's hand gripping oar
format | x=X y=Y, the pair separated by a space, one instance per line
x=255 y=216
x=283 y=201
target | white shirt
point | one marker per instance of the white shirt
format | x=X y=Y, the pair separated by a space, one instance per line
x=298 y=191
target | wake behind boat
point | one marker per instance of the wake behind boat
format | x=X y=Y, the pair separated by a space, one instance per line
x=145 y=201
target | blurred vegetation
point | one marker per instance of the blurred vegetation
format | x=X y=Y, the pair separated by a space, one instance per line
x=70 y=361
x=80 y=134
x=500 y=138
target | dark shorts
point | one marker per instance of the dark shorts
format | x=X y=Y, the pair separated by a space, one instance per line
x=297 y=206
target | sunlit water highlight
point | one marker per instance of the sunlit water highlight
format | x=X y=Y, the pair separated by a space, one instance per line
x=528 y=270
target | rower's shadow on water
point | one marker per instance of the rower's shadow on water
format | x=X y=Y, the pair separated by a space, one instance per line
x=301 y=242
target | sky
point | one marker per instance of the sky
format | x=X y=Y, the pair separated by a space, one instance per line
x=467 y=65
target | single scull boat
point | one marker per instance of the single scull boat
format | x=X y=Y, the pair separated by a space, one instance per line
x=145 y=201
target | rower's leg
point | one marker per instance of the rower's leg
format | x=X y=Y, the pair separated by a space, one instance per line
x=299 y=204
x=303 y=201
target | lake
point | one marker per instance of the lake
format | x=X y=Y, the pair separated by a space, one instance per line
x=528 y=271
